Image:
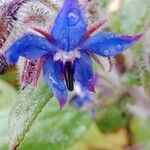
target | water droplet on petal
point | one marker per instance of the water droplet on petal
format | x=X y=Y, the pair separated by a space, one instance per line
x=44 y=47
x=40 y=39
x=30 y=38
x=110 y=35
x=18 y=43
x=106 y=52
x=119 y=47
x=73 y=17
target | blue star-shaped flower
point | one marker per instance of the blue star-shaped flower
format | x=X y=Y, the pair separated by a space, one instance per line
x=65 y=52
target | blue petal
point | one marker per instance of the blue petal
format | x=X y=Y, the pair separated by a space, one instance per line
x=29 y=46
x=52 y=76
x=69 y=26
x=81 y=97
x=83 y=70
x=109 y=44
x=81 y=101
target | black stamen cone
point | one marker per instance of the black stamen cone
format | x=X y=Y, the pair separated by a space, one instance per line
x=69 y=76
x=3 y=64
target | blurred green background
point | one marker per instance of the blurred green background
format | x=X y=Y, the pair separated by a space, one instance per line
x=123 y=111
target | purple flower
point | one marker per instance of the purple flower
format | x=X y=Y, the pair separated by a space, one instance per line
x=65 y=51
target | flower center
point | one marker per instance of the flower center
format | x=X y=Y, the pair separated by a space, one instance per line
x=69 y=75
x=67 y=56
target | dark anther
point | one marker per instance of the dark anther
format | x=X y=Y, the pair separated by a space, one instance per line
x=69 y=75
x=3 y=64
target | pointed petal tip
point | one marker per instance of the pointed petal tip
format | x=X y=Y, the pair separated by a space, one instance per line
x=92 y=83
x=133 y=38
x=138 y=36
x=62 y=103
x=104 y=21
x=91 y=87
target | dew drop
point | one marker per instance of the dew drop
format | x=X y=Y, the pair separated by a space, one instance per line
x=106 y=52
x=119 y=47
x=44 y=47
x=110 y=36
x=39 y=39
x=30 y=38
x=73 y=17
x=18 y=43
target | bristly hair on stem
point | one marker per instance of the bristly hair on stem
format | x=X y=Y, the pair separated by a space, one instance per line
x=31 y=73
x=36 y=15
x=3 y=64
x=32 y=14
x=8 y=18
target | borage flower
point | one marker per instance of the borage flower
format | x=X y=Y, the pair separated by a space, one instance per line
x=66 y=50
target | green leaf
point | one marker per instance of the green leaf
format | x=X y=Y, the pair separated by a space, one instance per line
x=146 y=81
x=116 y=23
x=114 y=116
x=132 y=21
x=26 y=110
x=131 y=79
x=5 y=98
x=4 y=138
x=56 y=129
x=140 y=129
x=53 y=128
x=94 y=139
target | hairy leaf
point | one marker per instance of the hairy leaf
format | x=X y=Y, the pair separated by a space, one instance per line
x=26 y=110
x=146 y=81
x=56 y=129
x=115 y=116
x=5 y=98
